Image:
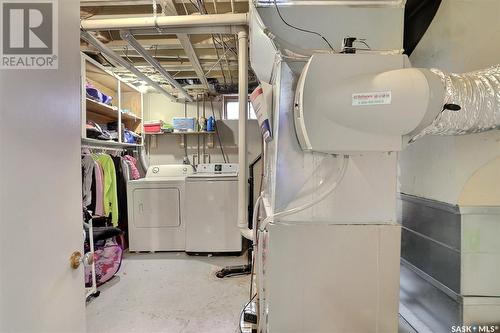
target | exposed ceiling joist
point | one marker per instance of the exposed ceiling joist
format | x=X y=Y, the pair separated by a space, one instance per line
x=165 y=44
x=169 y=9
x=127 y=35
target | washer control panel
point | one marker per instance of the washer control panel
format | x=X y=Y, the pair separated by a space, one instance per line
x=217 y=168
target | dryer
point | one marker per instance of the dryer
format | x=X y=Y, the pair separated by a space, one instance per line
x=156 y=209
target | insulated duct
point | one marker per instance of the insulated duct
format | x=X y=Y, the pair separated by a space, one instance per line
x=478 y=96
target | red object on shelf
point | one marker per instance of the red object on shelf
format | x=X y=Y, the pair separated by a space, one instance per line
x=153 y=127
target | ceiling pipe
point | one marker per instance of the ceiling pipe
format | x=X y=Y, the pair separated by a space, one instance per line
x=129 y=38
x=118 y=59
x=165 y=22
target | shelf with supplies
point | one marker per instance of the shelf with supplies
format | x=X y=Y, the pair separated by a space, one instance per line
x=208 y=137
x=123 y=109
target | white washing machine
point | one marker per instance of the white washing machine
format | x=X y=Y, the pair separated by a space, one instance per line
x=212 y=209
x=156 y=209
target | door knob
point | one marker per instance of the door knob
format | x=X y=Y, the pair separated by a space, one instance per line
x=75 y=259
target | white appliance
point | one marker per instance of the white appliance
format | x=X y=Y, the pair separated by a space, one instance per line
x=211 y=217
x=156 y=209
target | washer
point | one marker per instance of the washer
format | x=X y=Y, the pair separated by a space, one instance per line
x=156 y=209
x=212 y=214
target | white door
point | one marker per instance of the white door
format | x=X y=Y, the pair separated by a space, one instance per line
x=40 y=190
x=157 y=207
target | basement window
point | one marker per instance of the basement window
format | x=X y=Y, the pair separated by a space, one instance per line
x=231 y=108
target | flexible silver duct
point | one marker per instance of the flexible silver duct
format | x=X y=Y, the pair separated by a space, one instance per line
x=478 y=95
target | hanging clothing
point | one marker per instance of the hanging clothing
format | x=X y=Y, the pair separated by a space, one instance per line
x=135 y=172
x=110 y=198
x=121 y=187
x=99 y=204
x=126 y=169
x=87 y=174
x=91 y=207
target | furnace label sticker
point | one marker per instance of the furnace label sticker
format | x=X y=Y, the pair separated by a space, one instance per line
x=29 y=34
x=372 y=98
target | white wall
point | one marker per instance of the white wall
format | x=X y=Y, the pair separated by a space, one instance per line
x=463 y=37
x=166 y=149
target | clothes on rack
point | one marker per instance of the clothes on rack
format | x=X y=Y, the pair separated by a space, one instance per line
x=121 y=190
x=104 y=185
x=99 y=189
x=87 y=170
x=110 y=197
x=133 y=167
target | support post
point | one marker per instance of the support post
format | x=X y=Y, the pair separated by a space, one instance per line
x=242 y=133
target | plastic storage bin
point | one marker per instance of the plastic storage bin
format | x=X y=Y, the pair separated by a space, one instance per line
x=153 y=126
x=184 y=124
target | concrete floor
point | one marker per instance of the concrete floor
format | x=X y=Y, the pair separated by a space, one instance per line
x=170 y=293
x=173 y=293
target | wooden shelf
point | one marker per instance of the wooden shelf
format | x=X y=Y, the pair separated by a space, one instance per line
x=130 y=116
x=101 y=109
x=124 y=96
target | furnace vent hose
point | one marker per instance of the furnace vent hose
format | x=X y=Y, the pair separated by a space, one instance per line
x=478 y=95
x=329 y=190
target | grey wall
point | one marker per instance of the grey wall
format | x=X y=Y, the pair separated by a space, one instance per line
x=461 y=38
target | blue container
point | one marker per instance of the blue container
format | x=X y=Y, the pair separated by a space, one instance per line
x=211 y=124
x=184 y=124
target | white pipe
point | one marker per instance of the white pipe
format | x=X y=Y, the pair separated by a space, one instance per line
x=118 y=59
x=181 y=21
x=242 y=134
x=129 y=38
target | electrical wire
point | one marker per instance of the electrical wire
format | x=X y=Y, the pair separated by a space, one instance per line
x=362 y=41
x=302 y=29
x=243 y=312
x=224 y=156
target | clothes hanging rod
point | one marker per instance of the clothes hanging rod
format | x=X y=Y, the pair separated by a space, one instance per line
x=97 y=147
